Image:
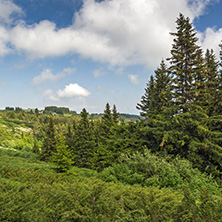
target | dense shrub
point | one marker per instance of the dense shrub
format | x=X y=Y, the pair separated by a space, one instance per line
x=17 y=153
x=151 y=170
x=32 y=191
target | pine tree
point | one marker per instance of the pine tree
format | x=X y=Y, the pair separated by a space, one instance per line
x=84 y=142
x=212 y=83
x=163 y=94
x=158 y=96
x=70 y=134
x=219 y=104
x=107 y=119
x=49 y=143
x=115 y=115
x=148 y=103
x=185 y=62
x=187 y=130
x=104 y=152
x=62 y=157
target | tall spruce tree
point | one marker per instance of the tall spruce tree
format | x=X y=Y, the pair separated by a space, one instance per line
x=148 y=102
x=157 y=98
x=107 y=116
x=62 y=157
x=49 y=143
x=115 y=115
x=84 y=142
x=163 y=93
x=107 y=122
x=185 y=62
x=212 y=83
x=219 y=105
x=106 y=152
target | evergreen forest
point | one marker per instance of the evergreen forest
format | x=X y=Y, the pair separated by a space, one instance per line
x=166 y=165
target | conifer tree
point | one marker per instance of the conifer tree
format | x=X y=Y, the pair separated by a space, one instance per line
x=185 y=62
x=163 y=94
x=189 y=131
x=106 y=139
x=212 y=83
x=148 y=103
x=70 y=134
x=115 y=115
x=219 y=104
x=107 y=118
x=49 y=143
x=194 y=82
x=84 y=143
x=35 y=148
x=158 y=96
x=62 y=157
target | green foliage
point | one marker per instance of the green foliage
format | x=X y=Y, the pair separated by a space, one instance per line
x=157 y=97
x=148 y=102
x=49 y=144
x=30 y=191
x=62 y=156
x=84 y=143
x=182 y=104
x=17 y=153
x=57 y=110
x=151 y=170
x=115 y=114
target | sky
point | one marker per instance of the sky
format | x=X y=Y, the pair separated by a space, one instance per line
x=86 y=53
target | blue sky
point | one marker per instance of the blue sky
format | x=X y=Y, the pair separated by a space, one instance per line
x=83 y=54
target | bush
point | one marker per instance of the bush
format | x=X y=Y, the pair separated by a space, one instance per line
x=18 y=153
x=151 y=170
x=31 y=192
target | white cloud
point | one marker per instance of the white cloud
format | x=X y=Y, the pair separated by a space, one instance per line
x=73 y=90
x=47 y=75
x=43 y=40
x=3 y=41
x=118 y=32
x=211 y=39
x=7 y=9
x=134 y=78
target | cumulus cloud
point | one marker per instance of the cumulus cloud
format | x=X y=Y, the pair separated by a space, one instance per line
x=118 y=32
x=73 y=90
x=47 y=75
x=134 y=78
x=7 y=10
x=210 y=39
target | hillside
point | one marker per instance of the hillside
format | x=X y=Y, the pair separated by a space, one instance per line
x=33 y=191
x=137 y=187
